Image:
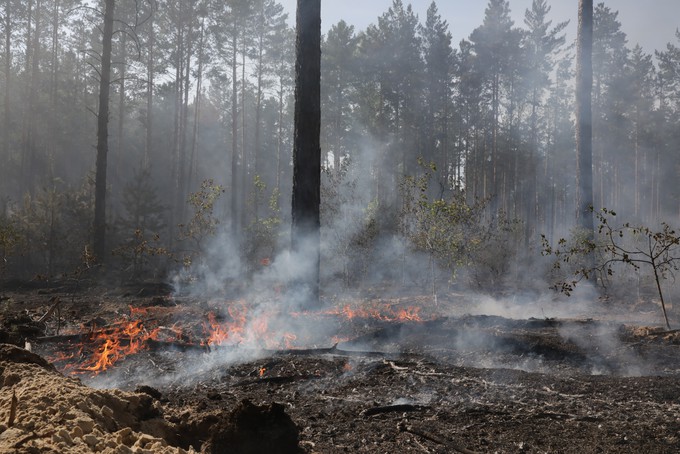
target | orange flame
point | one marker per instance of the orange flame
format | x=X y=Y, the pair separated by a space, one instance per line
x=386 y=313
x=243 y=329
x=240 y=326
x=115 y=343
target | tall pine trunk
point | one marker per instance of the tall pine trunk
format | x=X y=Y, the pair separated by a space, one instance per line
x=197 y=107
x=150 y=74
x=584 y=117
x=99 y=244
x=306 y=146
x=235 y=186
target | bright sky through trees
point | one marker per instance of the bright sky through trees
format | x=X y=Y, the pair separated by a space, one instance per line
x=651 y=23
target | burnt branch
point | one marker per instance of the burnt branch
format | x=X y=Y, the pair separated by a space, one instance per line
x=403 y=427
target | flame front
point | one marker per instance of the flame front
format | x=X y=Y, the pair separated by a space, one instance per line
x=385 y=313
x=241 y=326
x=245 y=329
x=115 y=344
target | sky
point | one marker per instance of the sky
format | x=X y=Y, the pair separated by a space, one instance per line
x=650 y=23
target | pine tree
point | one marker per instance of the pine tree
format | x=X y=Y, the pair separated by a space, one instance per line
x=542 y=43
x=99 y=242
x=584 y=128
x=338 y=66
x=439 y=66
x=498 y=56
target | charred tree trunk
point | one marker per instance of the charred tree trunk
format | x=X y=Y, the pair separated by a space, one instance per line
x=306 y=147
x=99 y=243
x=584 y=118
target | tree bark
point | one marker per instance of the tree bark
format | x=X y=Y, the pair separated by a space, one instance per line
x=584 y=118
x=306 y=143
x=99 y=244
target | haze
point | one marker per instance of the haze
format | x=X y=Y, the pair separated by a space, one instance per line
x=651 y=23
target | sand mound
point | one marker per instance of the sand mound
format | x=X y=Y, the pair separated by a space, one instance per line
x=41 y=411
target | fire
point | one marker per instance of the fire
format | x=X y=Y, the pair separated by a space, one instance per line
x=240 y=326
x=116 y=344
x=247 y=328
x=217 y=334
x=386 y=313
x=262 y=371
x=289 y=339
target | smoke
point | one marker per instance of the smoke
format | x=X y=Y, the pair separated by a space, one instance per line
x=357 y=263
x=606 y=353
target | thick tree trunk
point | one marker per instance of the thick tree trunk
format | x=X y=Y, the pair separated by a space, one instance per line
x=306 y=147
x=99 y=244
x=584 y=118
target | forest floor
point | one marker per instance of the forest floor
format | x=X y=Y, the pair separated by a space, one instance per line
x=387 y=375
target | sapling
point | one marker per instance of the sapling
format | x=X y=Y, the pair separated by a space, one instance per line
x=636 y=246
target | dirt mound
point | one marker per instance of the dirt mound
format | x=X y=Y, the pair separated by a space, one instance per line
x=41 y=411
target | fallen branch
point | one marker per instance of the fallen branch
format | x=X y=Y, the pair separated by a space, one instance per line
x=403 y=427
x=334 y=350
x=50 y=311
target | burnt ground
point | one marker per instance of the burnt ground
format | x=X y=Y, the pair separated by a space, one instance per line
x=600 y=381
